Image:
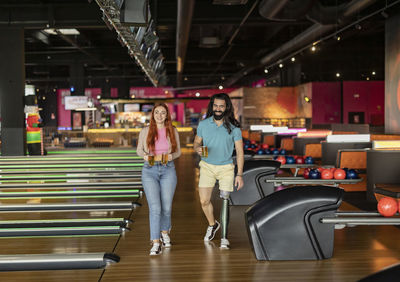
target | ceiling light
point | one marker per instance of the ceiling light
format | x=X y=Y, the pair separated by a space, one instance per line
x=307 y=99
x=220 y=87
x=185 y=79
x=72 y=89
x=373 y=72
x=367 y=78
x=266 y=70
x=313 y=48
x=132 y=96
x=337 y=74
x=98 y=97
x=293 y=59
x=197 y=94
x=65 y=31
x=281 y=65
x=222 y=77
x=337 y=37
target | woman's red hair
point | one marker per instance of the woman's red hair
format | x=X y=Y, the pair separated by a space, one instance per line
x=152 y=136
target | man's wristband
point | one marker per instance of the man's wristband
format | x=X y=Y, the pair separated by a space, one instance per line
x=241 y=175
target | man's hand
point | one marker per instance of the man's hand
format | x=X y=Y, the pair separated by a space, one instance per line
x=197 y=144
x=239 y=182
x=146 y=158
x=199 y=150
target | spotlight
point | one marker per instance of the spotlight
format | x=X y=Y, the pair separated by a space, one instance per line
x=367 y=78
x=293 y=59
x=72 y=89
x=266 y=70
x=197 y=94
x=307 y=99
x=185 y=78
x=384 y=14
x=281 y=65
x=133 y=96
x=337 y=74
x=373 y=72
x=222 y=77
x=337 y=37
x=220 y=87
x=98 y=97
x=313 y=48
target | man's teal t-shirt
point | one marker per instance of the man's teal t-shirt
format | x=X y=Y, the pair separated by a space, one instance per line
x=219 y=142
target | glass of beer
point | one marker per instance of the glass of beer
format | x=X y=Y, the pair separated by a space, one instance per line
x=204 y=151
x=150 y=159
x=164 y=159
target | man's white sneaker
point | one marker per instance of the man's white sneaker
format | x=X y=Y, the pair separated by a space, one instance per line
x=165 y=239
x=211 y=230
x=155 y=249
x=224 y=244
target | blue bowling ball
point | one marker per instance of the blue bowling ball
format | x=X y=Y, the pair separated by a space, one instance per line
x=309 y=160
x=275 y=157
x=351 y=174
x=275 y=152
x=314 y=174
x=290 y=160
x=282 y=152
x=246 y=147
x=253 y=146
x=267 y=152
x=247 y=142
x=260 y=152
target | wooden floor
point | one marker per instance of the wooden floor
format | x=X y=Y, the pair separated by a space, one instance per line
x=359 y=251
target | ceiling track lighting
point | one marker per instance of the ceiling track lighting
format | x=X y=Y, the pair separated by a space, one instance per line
x=142 y=42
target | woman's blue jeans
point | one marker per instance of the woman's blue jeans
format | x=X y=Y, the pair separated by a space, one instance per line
x=159 y=183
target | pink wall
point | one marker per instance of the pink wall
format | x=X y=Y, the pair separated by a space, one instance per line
x=197 y=105
x=204 y=92
x=151 y=92
x=325 y=102
x=364 y=96
x=63 y=116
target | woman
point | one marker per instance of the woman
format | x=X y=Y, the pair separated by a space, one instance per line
x=160 y=139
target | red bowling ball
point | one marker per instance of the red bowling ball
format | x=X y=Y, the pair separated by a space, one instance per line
x=306 y=173
x=299 y=160
x=265 y=146
x=281 y=159
x=326 y=174
x=339 y=174
x=320 y=169
x=387 y=206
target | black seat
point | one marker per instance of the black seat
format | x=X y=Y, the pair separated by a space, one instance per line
x=255 y=172
x=286 y=224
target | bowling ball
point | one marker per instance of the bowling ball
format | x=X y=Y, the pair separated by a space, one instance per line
x=306 y=173
x=267 y=151
x=299 y=160
x=332 y=169
x=279 y=188
x=246 y=146
x=274 y=158
x=387 y=206
x=339 y=174
x=320 y=169
x=253 y=146
x=282 y=152
x=275 y=152
x=309 y=160
x=326 y=174
x=260 y=152
x=351 y=174
x=253 y=141
x=247 y=142
x=290 y=160
x=314 y=174
x=281 y=159
x=265 y=146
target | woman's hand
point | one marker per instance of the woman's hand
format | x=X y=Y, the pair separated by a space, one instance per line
x=146 y=158
x=169 y=157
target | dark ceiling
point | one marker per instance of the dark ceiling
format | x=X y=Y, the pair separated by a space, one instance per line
x=228 y=44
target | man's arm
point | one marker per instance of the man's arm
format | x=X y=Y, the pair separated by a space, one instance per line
x=240 y=162
x=197 y=144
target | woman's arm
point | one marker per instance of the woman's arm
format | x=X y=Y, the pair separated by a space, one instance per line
x=140 y=148
x=177 y=153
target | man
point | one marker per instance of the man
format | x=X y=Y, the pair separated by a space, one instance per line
x=219 y=132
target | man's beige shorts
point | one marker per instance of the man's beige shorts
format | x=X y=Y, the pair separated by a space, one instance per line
x=210 y=173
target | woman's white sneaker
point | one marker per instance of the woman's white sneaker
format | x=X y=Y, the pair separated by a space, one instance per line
x=165 y=239
x=155 y=249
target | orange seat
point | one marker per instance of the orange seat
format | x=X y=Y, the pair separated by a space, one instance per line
x=313 y=150
x=384 y=137
x=287 y=144
x=270 y=140
x=356 y=159
x=245 y=134
x=254 y=135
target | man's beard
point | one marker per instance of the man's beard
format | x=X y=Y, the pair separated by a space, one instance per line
x=218 y=117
